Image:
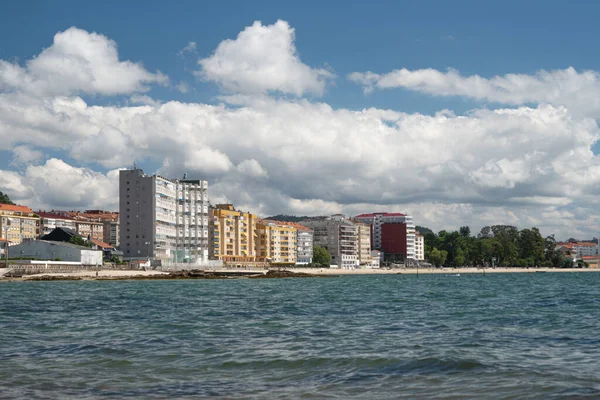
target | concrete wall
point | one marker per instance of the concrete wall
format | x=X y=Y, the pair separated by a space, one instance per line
x=45 y=250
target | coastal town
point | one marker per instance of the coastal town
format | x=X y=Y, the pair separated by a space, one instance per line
x=167 y=223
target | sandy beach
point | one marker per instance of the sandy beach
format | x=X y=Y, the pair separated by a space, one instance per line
x=442 y=271
x=140 y=274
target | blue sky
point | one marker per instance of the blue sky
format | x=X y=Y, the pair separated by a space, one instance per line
x=501 y=183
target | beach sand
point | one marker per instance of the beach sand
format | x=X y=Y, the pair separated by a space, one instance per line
x=444 y=271
x=140 y=274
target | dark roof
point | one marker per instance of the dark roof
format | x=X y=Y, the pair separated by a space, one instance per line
x=61 y=234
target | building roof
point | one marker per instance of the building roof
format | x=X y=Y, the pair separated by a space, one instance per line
x=570 y=245
x=11 y=207
x=291 y=224
x=54 y=214
x=383 y=214
x=101 y=244
x=61 y=234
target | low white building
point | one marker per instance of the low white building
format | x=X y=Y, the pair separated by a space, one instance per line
x=56 y=251
x=376 y=257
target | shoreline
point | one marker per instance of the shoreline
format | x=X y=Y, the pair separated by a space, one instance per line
x=105 y=275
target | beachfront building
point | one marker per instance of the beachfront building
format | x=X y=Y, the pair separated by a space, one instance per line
x=339 y=236
x=578 y=250
x=232 y=236
x=419 y=247
x=304 y=242
x=163 y=219
x=18 y=223
x=376 y=258
x=364 y=243
x=275 y=243
x=392 y=233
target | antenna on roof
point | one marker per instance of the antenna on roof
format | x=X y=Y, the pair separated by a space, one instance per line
x=134 y=165
x=184 y=176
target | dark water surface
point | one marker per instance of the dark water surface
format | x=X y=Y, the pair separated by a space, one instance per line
x=499 y=336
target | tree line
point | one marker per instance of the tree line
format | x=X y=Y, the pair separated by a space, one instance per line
x=498 y=245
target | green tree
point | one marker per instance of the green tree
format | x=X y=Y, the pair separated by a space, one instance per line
x=437 y=257
x=78 y=240
x=321 y=256
x=4 y=199
x=532 y=246
x=465 y=231
x=423 y=231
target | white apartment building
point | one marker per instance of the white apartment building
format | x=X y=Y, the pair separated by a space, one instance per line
x=419 y=247
x=384 y=226
x=164 y=219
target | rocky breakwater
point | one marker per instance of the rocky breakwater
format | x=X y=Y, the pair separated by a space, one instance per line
x=286 y=274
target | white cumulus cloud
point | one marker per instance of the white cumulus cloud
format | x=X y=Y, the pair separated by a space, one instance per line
x=579 y=91
x=77 y=62
x=263 y=58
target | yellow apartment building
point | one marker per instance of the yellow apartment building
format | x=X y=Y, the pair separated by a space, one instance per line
x=232 y=236
x=276 y=243
x=18 y=223
x=364 y=243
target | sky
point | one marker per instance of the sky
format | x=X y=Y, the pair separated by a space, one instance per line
x=458 y=113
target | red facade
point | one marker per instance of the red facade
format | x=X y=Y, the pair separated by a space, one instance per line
x=393 y=238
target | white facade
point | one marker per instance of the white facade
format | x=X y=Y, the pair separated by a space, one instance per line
x=57 y=251
x=304 y=249
x=378 y=219
x=586 y=249
x=419 y=247
x=48 y=224
x=164 y=219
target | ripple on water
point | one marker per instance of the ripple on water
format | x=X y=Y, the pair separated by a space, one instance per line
x=499 y=336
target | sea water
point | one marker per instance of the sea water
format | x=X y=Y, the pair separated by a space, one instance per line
x=520 y=336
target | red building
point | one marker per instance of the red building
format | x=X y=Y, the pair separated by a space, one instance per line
x=393 y=241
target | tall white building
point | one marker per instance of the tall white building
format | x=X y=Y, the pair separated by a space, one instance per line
x=164 y=219
x=419 y=247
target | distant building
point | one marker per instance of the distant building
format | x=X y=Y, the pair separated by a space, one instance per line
x=163 y=219
x=50 y=220
x=392 y=233
x=578 y=249
x=18 y=223
x=339 y=236
x=56 y=251
x=92 y=224
x=109 y=251
x=376 y=258
x=232 y=235
x=110 y=224
x=61 y=234
x=364 y=243
x=419 y=247
x=275 y=242
x=304 y=242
